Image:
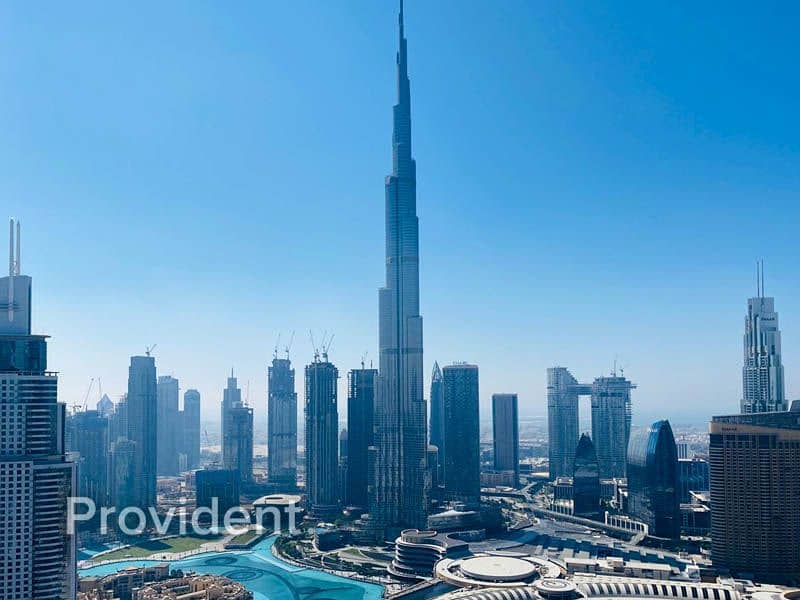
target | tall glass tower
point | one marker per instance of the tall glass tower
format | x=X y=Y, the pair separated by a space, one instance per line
x=167 y=389
x=586 y=480
x=281 y=423
x=653 y=480
x=400 y=498
x=37 y=554
x=562 y=420
x=322 y=437
x=462 y=435
x=142 y=412
x=360 y=433
x=762 y=373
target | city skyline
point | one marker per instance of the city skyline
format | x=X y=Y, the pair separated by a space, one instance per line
x=556 y=238
x=644 y=287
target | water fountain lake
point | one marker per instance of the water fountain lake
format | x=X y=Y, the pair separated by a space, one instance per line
x=268 y=577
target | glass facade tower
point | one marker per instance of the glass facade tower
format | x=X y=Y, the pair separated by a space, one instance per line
x=37 y=554
x=281 y=424
x=586 y=480
x=654 y=480
x=400 y=499
x=462 y=468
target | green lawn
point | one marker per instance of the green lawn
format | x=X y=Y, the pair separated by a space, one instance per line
x=145 y=549
x=245 y=538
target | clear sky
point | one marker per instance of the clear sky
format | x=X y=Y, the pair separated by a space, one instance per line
x=596 y=181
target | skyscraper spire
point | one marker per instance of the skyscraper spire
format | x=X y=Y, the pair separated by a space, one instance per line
x=400 y=498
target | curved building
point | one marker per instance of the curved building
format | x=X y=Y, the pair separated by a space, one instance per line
x=497 y=569
x=604 y=588
x=417 y=552
x=586 y=481
x=653 y=480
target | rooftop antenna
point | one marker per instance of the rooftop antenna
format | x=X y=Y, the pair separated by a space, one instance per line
x=11 y=273
x=289 y=347
x=149 y=349
x=19 y=251
x=14 y=249
x=13 y=265
x=762 y=275
x=758 y=279
x=11 y=248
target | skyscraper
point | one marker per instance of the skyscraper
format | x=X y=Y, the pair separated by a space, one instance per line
x=693 y=476
x=436 y=435
x=168 y=430
x=400 y=498
x=505 y=430
x=219 y=484
x=105 y=406
x=611 y=423
x=360 y=412
x=586 y=480
x=237 y=432
x=322 y=437
x=755 y=495
x=437 y=407
x=653 y=480
x=37 y=555
x=231 y=396
x=281 y=424
x=462 y=465
x=89 y=438
x=142 y=412
x=191 y=428
x=122 y=476
x=562 y=420
x=762 y=373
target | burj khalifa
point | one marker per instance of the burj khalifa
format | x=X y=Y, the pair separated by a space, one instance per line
x=399 y=498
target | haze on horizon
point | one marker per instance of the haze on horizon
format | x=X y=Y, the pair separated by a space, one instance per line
x=595 y=183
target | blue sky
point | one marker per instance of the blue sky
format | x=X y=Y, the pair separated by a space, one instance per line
x=596 y=181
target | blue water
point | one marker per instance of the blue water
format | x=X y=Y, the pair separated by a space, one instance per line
x=87 y=553
x=263 y=574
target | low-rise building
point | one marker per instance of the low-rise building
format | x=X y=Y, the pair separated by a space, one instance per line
x=121 y=584
x=194 y=587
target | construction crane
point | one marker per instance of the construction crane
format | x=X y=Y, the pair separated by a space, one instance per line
x=149 y=349
x=76 y=408
x=208 y=441
x=289 y=347
x=278 y=343
x=327 y=347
